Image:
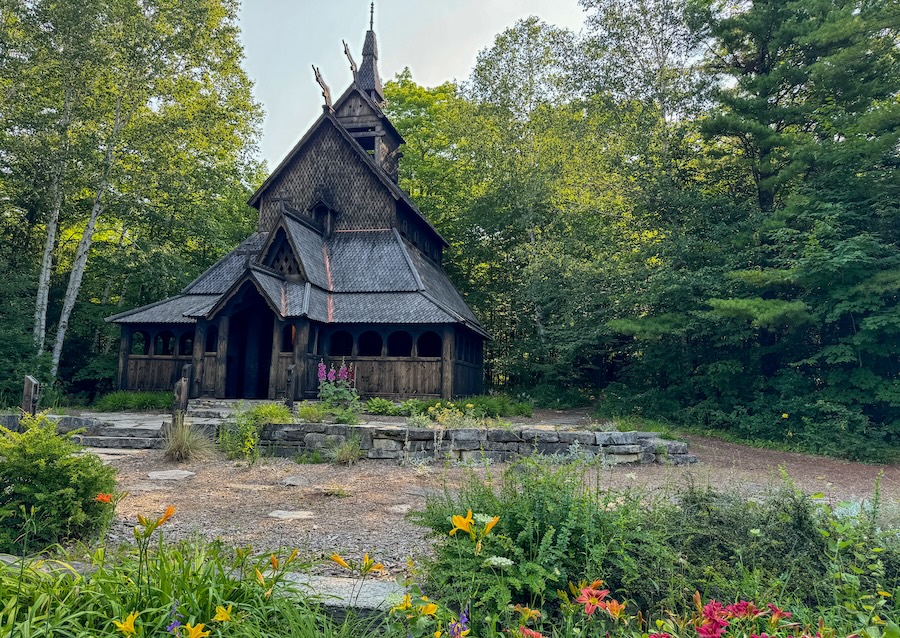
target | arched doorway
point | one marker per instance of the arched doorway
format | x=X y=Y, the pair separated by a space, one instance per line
x=249 y=345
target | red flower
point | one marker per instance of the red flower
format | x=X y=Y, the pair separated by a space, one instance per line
x=777 y=614
x=714 y=623
x=592 y=599
x=742 y=609
x=530 y=633
x=104 y=498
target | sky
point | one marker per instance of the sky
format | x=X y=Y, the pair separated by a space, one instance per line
x=438 y=40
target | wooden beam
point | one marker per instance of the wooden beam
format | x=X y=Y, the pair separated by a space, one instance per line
x=222 y=357
x=277 y=326
x=197 y=356
x=301 y=340
x=124 y=351
x=447 y=363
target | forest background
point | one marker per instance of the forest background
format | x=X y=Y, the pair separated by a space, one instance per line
x=689 y=211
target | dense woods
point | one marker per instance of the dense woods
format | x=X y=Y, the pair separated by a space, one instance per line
x=688 y=211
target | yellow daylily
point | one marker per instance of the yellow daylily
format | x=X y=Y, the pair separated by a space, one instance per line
x=490 y=526
x=290 y=559
x=340 y=561
x=404 y=605
x=222 y=614
x=369 y=565
x=438 y=633
x=194 y=631
x=274 y=562
x=260 y=578
x=462 y=524
x=127 y=625
x=429 y=610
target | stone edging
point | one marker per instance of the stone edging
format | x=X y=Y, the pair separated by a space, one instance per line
x=402 y=443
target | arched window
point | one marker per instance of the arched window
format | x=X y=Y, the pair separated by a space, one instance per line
x=140 y=343
x=186 y=343
x=370 y=343
x=212 y=338
x=429 y=344
x=340 y=344
x=164 y=344
x=400 y=344
x=288 y=334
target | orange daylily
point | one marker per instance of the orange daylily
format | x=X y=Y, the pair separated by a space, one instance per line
x=166 y=516
x=274 y=562
x=369 y=565
x=614 y=608
x=340 y=561
x=490 y=526
x=462 y=524
x=104 y=498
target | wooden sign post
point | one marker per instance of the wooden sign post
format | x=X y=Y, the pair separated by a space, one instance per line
x=30 y=395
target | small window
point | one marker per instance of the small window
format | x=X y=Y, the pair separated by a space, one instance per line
x=140 y=343
x=340 y=344
x=429 y=344
x=164 y=344
x=186 y=344
x=212 y=338
x=288 y=334
x=400 y=344
x=370 y=344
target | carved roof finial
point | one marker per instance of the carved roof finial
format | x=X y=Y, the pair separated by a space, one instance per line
x=326 y=92
x=372 y=16
x=349 y=55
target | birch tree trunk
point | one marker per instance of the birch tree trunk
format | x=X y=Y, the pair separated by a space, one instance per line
x=87 y=238
x=43 y=291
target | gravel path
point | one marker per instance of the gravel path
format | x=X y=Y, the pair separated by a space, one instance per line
x=363 y=508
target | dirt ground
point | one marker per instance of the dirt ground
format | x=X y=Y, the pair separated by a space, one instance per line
x=363 y=508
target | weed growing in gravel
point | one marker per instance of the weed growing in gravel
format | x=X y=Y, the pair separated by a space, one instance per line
x=186 y=443
x=347 y=452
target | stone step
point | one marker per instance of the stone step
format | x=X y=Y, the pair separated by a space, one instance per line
x=200 y=413
x=122 y=432
x=120 y=442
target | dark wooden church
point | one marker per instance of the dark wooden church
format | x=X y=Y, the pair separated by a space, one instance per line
x=343 y=267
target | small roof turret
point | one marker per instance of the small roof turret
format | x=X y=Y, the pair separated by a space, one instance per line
x=368 y=79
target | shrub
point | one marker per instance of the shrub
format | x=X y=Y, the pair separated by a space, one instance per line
x=557 y=525
x=346 y=453
x=411 y=407
x=184 y=442
x=419 y=421
x=496 y=405
x=347 y=416
x=311 y=412
x=377 y=405
x=134 y=401
x=311 y=457
x=45 y=473
x=239 y=436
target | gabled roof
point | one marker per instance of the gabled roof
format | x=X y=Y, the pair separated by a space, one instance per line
x=328 y=117
x=178 y=309
x=219 y=277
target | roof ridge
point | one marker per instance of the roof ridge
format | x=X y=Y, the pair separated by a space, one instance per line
x=409 y=260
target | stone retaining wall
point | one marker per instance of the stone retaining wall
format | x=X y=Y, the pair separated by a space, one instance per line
x=64 y=422
x=402 y=443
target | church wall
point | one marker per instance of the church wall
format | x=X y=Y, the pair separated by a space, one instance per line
x=328 y=169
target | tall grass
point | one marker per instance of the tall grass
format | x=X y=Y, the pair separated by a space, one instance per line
x=134 y=401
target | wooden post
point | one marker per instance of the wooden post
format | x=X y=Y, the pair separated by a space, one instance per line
x=197 y=357
x=277 y=327
x=31 y=393
x=447 y=364
x=222 y=357
x=301 y=342
x=124 y=351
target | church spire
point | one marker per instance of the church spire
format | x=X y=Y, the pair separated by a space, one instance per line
x=368 y=78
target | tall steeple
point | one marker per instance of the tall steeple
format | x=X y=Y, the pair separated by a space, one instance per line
x=368 y=78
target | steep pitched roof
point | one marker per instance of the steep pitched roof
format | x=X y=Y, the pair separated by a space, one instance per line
x=221 y=275
x=178 y=309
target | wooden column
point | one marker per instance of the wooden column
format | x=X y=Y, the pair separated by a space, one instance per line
x=222 y=357
x=447 y=363
x=301 y=341
x=197 y=356
x=277 y=326
x=124 y=351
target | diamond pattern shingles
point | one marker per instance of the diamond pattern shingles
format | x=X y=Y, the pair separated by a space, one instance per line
x=405 y=307
x=222 y=275
x=369 y=261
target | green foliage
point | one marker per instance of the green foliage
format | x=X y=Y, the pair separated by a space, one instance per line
x=127 y=401
x=239 y=436
x=313 y=457
x=44 y=476
x=187 y=581
x=311 y=412
x=557 y=524
x=346 y=452
x=496 y=405
x=183 y=442
x=377 y=405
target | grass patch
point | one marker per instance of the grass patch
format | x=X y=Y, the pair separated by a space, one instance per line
x=184 y=442
x=347 y=452
x=134 y=402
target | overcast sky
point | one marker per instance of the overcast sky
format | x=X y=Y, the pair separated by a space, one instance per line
x=437 y=39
